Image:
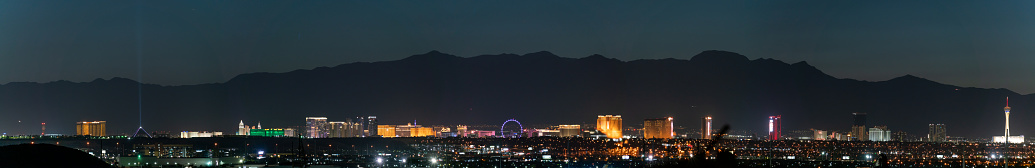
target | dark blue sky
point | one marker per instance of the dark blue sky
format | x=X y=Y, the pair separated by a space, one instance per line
x=966 y=43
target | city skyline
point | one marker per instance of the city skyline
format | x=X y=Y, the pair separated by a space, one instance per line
x=663 y=128
x=327 y=129
x=813 y=83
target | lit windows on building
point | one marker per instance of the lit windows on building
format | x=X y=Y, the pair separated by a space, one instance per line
x=657 y=128
x=91 y=128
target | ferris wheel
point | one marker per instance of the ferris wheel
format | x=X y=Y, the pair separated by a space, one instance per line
x=521 y=129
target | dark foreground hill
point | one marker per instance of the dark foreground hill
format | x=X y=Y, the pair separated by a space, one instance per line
x=47 y=155
x=437 y=88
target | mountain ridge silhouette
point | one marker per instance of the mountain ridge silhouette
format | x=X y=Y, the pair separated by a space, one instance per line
x=443 y=89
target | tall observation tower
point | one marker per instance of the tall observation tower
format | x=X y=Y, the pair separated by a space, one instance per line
x=1006 y=139
x=1007 y=109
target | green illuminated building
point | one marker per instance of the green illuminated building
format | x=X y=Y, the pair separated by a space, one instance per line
x=275 y=132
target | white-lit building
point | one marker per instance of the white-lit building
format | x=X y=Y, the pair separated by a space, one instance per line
x=196 y=134
x=546 y=132
x=879 y=134
x=1013 y=139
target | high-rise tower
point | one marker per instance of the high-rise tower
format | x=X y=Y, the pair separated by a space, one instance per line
x=1007 y=109
x=859 y=127
x=242 y=129
x=706 y=128
x=774 y=127
x=936 y=132
x=371 y=126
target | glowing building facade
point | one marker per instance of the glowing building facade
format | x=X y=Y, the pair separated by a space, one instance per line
x=269 y=132
x=658 y=128
x=91 y=128
x=610 y=125
x=706 y=127
x=1013 y=139
x=202 y=134
x=774 y=127
x=408 y=130
x=879 y=133
x=422 y=132
x=386 y=130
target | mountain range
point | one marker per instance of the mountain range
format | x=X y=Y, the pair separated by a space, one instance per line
x=435 y=88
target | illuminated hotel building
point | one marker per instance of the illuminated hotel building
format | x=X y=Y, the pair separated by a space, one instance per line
x=316 y=127
x=337 y=129
x=94 y=128
x=774 y=127
x=880 y=133
x=657 y=128
x=610 y=125
x=422 y=132
x=386 y=130
x=202 y=134
x=706 y=128
x=408 y=130
x=569 y=130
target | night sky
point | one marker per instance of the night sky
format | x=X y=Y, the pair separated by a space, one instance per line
x=975 y=44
